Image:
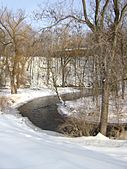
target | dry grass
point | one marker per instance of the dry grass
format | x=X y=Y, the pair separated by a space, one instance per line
x=77 y=127
x=4 y=102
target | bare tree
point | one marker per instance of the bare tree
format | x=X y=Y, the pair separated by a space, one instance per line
x=105 y=29
x=15 y=42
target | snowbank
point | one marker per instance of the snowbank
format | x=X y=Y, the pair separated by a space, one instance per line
x=22 y=147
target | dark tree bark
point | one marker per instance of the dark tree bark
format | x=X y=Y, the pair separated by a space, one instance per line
x=97 y=28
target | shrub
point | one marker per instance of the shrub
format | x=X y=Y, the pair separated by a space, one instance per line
x=77 y=127
x=4 y=102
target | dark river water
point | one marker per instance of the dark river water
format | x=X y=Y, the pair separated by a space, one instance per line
x=47 y=118
x=43 y=112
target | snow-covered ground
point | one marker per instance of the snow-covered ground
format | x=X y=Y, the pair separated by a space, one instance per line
x=25 y=95
x=117 y=109
x=23 y=146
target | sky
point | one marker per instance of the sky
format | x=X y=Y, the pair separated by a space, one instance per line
x=27 y=5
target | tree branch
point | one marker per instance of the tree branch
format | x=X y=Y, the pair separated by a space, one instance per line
x=97 y=12
x=116 y=11
x=87 y=21
x=103 y=12
x=123 y=12
x=62 y=19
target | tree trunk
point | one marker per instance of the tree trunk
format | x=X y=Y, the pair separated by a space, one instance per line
x=63 y=71
x=123 y=68
x=123 y=88
x=48 y=71
x=104 y=91
x=13 y=85
x=96 y=85
x=104 y=105
x=63 y=77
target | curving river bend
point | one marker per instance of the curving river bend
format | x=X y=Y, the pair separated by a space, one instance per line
x=43 y=112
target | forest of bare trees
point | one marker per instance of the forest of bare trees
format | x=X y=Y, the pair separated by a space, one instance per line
x=84 y=47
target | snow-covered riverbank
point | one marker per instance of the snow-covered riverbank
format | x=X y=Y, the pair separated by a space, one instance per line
x=23 y=146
